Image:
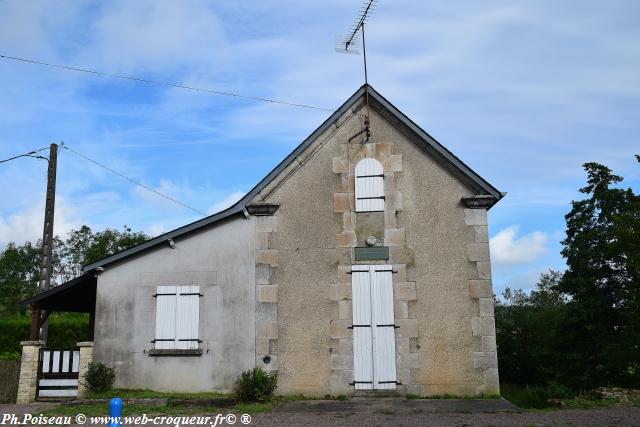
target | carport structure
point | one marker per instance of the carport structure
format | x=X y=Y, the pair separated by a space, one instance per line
x=47 y=373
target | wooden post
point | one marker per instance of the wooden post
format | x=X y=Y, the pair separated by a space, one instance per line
x=47 y=240
x=92 y=323
x=34 y=334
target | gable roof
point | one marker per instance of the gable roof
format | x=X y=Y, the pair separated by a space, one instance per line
x=378 y=103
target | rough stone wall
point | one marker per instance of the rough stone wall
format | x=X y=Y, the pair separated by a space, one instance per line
x=386 y=228
x=303 y=259
x=444 y=340
x=480 y=290
x=441 y=260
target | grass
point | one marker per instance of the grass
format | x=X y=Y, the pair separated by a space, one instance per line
x=101 y=408
x=538 y=397
x=97 y=409
x=535 y=397
x=151 y=394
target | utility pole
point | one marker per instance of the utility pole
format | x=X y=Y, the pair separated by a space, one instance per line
x=39 y=327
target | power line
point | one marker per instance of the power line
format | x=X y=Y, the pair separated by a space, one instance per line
x=133 y=181
x=29 y=154
x=161 y=83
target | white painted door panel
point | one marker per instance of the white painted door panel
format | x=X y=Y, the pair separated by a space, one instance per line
x=384 y=344
x=373 y=327
x=362 y=344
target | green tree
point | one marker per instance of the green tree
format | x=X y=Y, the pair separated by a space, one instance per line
x=529 y=328
x=602 y=281
x=19 y=273
x=84 y=246
x=19 y=265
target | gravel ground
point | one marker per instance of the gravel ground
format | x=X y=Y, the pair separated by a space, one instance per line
x=619 y=416
x=413 y=414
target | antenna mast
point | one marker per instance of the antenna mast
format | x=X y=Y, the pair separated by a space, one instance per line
x=348 y=46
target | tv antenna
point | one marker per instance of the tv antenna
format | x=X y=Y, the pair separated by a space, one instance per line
x=349 y=44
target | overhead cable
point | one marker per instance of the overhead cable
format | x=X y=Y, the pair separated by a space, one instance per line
x=133 y=181
x=29 y=154
x=161 y=83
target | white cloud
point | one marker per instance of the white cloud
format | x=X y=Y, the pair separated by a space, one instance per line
x=226 y=202
x=26 y=225
x=507 y=249
x=180 y=192
x=148 y=35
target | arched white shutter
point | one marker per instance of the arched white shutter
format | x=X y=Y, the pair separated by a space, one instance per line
x=369 y=186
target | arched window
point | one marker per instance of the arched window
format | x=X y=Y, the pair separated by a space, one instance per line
x=369 y=186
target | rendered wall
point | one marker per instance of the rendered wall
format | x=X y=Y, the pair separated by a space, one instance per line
x=434 y=246
x=221 y=261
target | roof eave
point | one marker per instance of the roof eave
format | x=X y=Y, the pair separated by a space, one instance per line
x=429 y=145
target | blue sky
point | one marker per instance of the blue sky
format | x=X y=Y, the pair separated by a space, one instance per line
x=524 y=92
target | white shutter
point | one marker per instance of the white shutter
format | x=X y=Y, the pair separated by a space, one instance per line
x=165 y=317
x=362 y=350
x=187 y=317
x=374 y=345
x=369 y=186
x=383 y=328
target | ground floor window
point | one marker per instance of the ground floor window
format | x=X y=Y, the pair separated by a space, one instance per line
x=177 y=317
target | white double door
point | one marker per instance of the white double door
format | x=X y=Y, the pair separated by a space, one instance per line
x=374 y=346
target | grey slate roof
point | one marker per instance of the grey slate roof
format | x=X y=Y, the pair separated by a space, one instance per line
x=379 y=104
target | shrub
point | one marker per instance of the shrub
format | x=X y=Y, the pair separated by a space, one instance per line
x=256 y=385
x=99 y=377
x=65 y=330
x=536 y=396
x=10 y=355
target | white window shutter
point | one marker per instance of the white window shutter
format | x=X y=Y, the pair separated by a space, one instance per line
x=187 y=317
x=383 y=327
x=369 y=186
x=362 y=350
x=165 y=317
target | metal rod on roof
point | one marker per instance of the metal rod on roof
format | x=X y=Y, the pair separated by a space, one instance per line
x=366 y=87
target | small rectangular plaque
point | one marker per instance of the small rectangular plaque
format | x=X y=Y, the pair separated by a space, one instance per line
x=372 y=253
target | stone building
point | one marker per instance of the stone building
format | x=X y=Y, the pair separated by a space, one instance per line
x=361 y=262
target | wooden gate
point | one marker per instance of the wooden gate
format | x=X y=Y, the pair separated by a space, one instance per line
x=58 y=373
